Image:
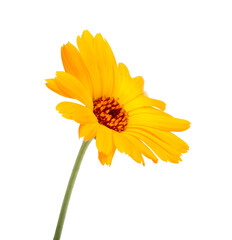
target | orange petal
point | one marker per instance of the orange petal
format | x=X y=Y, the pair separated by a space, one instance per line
x=76 y=112
x=85 y=44
x=88 y=131
x=142 y=147
x=74 y=88
x=123 y=145
x=104 y=139
x=159 y=122
x=106 y=159
x=144 y=101
x=74 y=64
x=51 y=84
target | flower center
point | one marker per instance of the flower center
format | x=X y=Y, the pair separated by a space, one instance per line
x=109 y=113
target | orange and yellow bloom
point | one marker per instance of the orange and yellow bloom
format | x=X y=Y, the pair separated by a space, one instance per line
x=114 y=107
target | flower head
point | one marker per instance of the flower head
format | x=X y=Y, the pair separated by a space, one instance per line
x=115 y=108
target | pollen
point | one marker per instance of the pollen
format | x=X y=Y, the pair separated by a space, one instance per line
x=110 y=113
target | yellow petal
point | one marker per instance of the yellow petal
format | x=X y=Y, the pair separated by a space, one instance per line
x=172 y=139
x=144 y=101
x=167 y=137
x=136 y=88
x=163 y=152
x=106 y=159
x=159 y=122
x=123 y=145
x=127 y=88
x=51 y=84
x=148 y=110
x=85 y=44
x=104 y=139
x=76 y=112
x=88 y=131
x=105 y=65
x=142 y=148
x=122 y=78
x=74 y=88
x=111 y=55
x=157 y=140
x=74 y=64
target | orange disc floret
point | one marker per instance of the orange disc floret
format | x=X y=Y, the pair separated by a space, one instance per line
x=110 y=113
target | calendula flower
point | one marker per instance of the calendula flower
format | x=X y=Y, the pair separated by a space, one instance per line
x=115 y=109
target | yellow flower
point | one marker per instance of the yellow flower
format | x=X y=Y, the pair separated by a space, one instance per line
x=115 y=109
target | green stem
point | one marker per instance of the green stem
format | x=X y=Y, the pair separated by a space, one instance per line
x=68 y=192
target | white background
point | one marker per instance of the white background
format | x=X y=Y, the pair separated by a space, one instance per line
x=183 y=49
